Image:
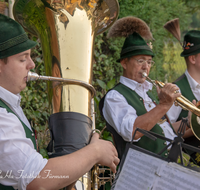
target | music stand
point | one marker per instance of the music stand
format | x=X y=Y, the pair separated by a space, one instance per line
x=140 y=168
x=176 y=144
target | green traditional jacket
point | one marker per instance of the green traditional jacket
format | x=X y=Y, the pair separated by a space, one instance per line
x=137 y=103
x=186 y=91
x=29 y=134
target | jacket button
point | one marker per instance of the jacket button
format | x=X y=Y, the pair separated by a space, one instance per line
x=165 y=143
x=166 y=154
x=32 y=134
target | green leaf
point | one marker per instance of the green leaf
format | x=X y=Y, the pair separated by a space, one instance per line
x=101 y=84
x=43 y=152
x=111 y=84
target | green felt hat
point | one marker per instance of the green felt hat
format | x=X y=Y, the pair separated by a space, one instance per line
x=191 y=43
x=134 y=44
x=13 y=38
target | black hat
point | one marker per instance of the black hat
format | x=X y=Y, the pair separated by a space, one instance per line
x=191 y=43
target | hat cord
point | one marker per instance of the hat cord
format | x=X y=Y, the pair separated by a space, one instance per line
x=132 y=48
x=13 y=41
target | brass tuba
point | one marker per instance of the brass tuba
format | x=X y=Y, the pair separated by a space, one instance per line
x=67 y=29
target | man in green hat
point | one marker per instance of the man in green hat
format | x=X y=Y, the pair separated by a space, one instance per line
x=22 y=167
x=130 y=104
x=189 y=84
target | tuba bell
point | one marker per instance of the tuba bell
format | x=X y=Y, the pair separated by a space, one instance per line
x=67 y=29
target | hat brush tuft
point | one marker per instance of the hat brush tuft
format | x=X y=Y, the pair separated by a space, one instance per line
x=126 y=26
x=174 y=28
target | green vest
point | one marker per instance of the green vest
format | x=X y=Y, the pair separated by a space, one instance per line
x=136 y=102
x=186 y=91
x=29 y=134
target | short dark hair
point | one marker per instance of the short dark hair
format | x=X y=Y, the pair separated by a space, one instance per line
x=5 y=60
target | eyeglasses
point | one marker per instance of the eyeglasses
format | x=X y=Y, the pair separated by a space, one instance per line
x=143 y=61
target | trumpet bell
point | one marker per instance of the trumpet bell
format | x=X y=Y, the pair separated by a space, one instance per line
x=195 y=124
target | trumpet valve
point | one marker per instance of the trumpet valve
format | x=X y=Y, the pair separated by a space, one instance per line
x=176 y=103
x=160 y=84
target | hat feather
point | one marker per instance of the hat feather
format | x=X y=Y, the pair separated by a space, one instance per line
x=128 y=25
x=173 y=27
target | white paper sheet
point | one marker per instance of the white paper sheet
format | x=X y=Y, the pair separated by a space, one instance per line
x=144 y=172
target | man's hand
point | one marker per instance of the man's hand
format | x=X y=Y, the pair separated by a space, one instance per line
x=107 y=154
x=168 y=94
x=197 y=104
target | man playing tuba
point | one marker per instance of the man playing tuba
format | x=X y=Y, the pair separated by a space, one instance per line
x=22 y=167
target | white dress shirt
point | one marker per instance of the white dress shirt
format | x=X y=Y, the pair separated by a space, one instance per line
x=121 y=116
x=20 y=163
x=175 y=111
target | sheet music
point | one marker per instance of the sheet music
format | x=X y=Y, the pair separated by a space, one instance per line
x=138 y=172
x=176 y=177
x=142 y=171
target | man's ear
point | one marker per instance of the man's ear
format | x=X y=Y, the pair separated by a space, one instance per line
x=192 y=59
x=123 y=63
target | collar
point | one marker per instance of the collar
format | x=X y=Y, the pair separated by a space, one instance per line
x=193 y=84
x=133 y=84
x=12 y=99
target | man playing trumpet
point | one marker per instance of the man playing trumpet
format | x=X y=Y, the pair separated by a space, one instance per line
x=130 y=104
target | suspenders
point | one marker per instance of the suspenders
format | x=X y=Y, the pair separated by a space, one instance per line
x=29 y=134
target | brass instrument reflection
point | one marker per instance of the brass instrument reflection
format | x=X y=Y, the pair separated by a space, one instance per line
x=57 y=90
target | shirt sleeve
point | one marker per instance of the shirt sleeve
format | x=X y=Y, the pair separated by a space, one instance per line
x=119 y=114
x=174 y=112
x=20 y=162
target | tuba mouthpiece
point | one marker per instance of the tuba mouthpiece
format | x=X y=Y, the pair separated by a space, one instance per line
x=32 y=76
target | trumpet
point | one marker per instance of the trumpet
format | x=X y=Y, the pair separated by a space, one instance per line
x=181 y=101
x=185 y=104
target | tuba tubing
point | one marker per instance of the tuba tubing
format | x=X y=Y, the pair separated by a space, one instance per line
x=34 y=76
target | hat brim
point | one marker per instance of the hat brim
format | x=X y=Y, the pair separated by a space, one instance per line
x=185 y=54
x=136 y=52
x=28 y=44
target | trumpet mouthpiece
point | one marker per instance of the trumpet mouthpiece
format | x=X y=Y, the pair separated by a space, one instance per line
x=144 y=74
